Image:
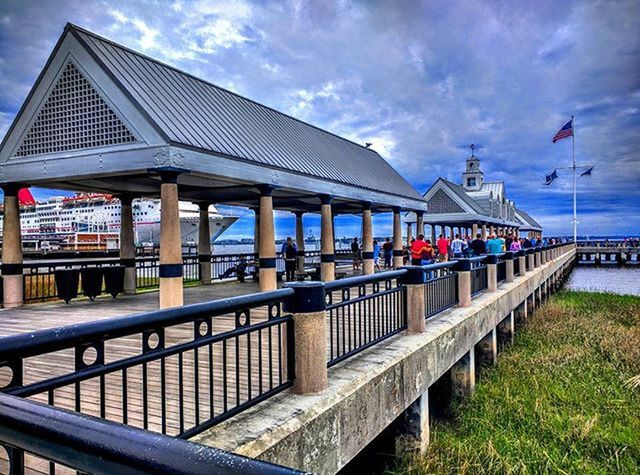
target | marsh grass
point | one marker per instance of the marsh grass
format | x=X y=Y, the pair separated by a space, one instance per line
x=565 y=398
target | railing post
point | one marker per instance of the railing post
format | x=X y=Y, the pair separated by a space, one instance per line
x=508 y=266
x=308 y=305
x=536 y=257
x=12 y=260
x=492 y=272
x=522 y=262
x=463 y=269
x=543 y=255
x=530 y=259
x=414 y=280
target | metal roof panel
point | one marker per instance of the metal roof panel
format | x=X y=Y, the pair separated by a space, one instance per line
x=199 y=114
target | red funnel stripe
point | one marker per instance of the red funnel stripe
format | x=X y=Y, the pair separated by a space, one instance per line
x=25 y=197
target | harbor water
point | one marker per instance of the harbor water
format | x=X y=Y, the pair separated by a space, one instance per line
x=617 y=280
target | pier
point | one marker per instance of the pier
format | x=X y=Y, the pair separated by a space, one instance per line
x=243 y=374
x=235 y=374
x=606 y=254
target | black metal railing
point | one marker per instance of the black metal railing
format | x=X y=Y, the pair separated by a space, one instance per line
x=39 y=277
x=440 y=288
x=478 y=270
x=38 y=438
x=362 y=311
x=501 y=268
x=176 y=371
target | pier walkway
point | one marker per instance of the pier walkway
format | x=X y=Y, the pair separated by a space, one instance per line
x=234 y=373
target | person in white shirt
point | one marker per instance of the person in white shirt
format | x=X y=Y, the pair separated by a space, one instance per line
x=458 y=246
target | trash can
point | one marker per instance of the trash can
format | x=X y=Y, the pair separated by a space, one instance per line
x=91 y=278
x=114 y=280
x=67 y=283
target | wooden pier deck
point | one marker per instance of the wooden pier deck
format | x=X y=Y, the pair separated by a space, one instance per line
x=170 y=402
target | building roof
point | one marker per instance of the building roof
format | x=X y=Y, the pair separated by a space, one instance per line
x=528 y=220
x=224 y=122
x=182 y=111
x=497 y=187
x=462 y=194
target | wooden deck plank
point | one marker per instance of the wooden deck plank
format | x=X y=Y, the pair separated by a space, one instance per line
x=363 y=326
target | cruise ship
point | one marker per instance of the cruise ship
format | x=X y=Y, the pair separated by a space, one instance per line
x=63 y=218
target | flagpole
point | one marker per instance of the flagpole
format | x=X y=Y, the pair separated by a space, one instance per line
x=575 y=212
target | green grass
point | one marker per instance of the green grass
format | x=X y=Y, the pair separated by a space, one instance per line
x=562 y=399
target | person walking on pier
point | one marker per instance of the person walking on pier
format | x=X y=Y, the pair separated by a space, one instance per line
x=457 y=246
x=355 y=251
x=289 y=251
x=387 y=249
x=376 y=256
x=495 y=245
x=477 y=245
x=443 y=248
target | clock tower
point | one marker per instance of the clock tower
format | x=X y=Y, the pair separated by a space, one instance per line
x=472 y=178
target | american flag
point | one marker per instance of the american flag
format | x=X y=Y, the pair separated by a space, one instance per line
x=564 y=132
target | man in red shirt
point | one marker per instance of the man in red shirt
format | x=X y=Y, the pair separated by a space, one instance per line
x=418 y=247
x=443 y=248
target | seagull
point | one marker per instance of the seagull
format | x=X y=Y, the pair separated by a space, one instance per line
x=368 y=144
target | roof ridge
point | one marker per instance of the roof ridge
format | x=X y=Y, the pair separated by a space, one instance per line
x=180 y=71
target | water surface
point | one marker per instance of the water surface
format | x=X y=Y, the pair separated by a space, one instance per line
x=617 y=280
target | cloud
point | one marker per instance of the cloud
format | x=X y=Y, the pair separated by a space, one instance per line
x=420 y=80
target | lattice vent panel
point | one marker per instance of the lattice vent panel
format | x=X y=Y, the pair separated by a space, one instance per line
x=74 y=117
x=440 y=202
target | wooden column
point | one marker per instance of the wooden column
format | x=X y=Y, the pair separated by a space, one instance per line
x=327 y=245
x=13 y=284
x=171 y=292
x=204 y=244
x=397 y=239
x=484 y=232
x=367 y=240
x=127 y=244
x=267 y=263
x=409 y=234
x=419 y=223
x=300 y=240
x=256 y=233
x=434 y=237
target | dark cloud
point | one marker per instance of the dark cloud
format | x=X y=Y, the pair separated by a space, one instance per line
x=418 y=79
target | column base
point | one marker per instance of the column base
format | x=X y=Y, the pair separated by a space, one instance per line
x=13 y=291
x=327 y=271
x=487 y=350
x=367 y=267
x=171 y=292
x=205 y=273
x=463 y=375
x=129 y=287
x=413 y=428
x=268 y=279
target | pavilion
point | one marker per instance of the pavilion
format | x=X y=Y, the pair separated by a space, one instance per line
x=474 y=207
x=103 y=118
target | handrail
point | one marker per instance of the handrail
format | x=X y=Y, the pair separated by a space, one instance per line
x=25 y=345
x=99 y=446
x=364 y=279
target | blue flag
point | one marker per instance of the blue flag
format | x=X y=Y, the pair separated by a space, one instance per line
x=587 y=172
x=552 y=176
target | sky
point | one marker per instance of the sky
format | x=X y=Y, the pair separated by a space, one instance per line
x=420 y=80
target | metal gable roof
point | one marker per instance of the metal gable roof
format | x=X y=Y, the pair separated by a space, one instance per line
x=462 y=194
x=497 y=187
x=195 y=113
x=528 y=219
